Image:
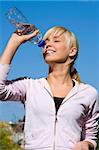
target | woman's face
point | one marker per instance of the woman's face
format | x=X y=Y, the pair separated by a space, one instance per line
x=56 y=49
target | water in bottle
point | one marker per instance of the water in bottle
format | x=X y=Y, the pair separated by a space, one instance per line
x=16 y=17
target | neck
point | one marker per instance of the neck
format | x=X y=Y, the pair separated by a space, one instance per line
x=59 y=74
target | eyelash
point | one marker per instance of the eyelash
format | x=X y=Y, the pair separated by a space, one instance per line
x=56 y=41
x=53 y=41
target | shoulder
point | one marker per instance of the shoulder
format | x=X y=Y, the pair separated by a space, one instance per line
x=25 y=79
x=89 y=94
x=88 y=89
x=35 y=81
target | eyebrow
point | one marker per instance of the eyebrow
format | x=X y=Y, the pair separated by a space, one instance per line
x=54 y=37
x=57 y=36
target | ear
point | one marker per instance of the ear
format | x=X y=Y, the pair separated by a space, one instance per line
x=73 y=51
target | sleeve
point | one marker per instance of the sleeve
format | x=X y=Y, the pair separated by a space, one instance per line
x=92 y=122
x=13 y=89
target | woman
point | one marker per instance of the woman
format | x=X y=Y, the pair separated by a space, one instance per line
x=61 y=112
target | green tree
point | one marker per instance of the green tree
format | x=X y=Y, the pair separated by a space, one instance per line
x=6 y=138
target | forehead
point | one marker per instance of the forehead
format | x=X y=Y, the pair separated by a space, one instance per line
x=57 y=36
x=54 y=32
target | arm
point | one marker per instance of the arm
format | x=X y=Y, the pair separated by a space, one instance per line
x=15 y=89
x=90 y=126
x=12 y=46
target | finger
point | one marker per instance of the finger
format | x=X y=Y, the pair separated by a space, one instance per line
x=25 y=29
x=28 y=29
x=18 y=32
x=29 y=36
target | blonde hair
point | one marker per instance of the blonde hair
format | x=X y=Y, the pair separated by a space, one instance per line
x=72 y=42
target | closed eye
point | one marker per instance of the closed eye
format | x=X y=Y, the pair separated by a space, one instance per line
x=57 y=41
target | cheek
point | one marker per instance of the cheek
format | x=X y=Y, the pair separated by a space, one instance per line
x=64 y=50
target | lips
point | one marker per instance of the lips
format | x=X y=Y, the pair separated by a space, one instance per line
x=49 y=51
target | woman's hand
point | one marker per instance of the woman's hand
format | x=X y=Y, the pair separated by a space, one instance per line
x=19 y=38
x=83 y=145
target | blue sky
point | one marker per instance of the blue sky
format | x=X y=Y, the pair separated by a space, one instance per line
x=81 y=17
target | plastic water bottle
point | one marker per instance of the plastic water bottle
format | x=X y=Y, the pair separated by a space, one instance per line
x=15 y=17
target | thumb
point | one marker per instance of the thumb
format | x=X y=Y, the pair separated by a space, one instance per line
x=30 y=36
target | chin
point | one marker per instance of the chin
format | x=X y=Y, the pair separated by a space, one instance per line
x=49 y=61
x=53 y=60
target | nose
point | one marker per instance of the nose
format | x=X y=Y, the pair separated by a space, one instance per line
x=48 y=44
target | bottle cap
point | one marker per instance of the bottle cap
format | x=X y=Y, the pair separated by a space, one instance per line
x=41 y=43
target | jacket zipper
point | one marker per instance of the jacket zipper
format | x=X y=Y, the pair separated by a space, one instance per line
x=56 y=122
x=55 y=130
x=56 y=112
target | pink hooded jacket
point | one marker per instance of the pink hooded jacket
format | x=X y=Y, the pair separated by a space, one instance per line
x=76 y=120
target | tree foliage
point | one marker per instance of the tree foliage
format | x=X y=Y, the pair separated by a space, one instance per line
x=6 y=138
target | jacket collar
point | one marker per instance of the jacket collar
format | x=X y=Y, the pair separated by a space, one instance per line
x=73 y=91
